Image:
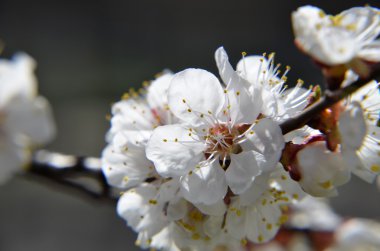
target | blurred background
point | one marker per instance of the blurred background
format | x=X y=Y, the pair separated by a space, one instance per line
x=90 y=52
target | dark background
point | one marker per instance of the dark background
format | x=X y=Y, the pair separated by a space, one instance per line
x=90 y=52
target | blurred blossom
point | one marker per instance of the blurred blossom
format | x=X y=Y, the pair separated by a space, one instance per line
x=347 y=38
x=26 y=120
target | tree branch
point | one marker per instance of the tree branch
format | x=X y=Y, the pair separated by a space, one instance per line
x=330 y=98
x=64 y=169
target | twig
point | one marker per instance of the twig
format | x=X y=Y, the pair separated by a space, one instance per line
x=61 y=169
x=330 y=98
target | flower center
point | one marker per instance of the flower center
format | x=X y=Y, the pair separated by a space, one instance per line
x=221 y=141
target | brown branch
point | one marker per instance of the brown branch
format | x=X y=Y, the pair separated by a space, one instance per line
x=64 y=169
x=330 y=98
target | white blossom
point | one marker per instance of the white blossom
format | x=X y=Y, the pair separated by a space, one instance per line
x=257 y=215
x=321 y=171
x=340 y=39
x=25 y=118
x=133 y=119
x=280 y=102
x=360 y=135
x=357 y=235
x=216 y=146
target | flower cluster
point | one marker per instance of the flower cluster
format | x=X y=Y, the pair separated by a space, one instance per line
x=25 y=118
x=204 y=163
x=199 y=158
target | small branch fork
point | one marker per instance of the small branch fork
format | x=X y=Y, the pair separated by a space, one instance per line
x=65 y=170
x=331 y=97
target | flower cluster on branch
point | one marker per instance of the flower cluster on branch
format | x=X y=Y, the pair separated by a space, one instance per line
x=209 y=162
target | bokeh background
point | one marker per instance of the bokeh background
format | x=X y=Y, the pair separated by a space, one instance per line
x=90 y=52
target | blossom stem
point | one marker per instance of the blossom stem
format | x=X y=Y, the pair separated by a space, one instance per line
x=67 y=170
x=331 y=97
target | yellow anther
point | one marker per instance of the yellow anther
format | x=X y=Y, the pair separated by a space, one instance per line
x=175 y=140
x=165 y=140
x=145 y=83
x=283 y=219
x=195 y=236
x=244 y=53
x=269 y=226
x=351 y=27
x=125 y=96
x=321 y=14
x=225 y=91
x=243 y=242
x=237 y=93
x=375 y=168
x=326 y=184
x=238 y=212
x=260 y=238
x=108 y=117
x=189 y=110
x=196 y=215
x=300 y=81
x=183 y=100
x=153 y=202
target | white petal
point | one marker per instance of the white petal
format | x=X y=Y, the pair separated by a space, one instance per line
x=32 y=118
x=17 y=78
x=132 y=114
x=168 y=191
x=304 y=22
x=334 y=46
x=268 y=141
x=295 y=100
x=136 y=208
x=251 y=68
x=357 y=167
x=369 y=98
x=236 y=220
x=321 y=171
x=125 y=170
x=352 y=127
x=176 y=211
x=157 y=95
x=173 y=151
x=364 y=20
x=242 y=171
x=259 y=231
x=205 y=185
x=371 y=52
x=216 y=209
x=226 y=72
x=255 y=191
x=213 y=226
x=244 y=105
x=195 y=93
